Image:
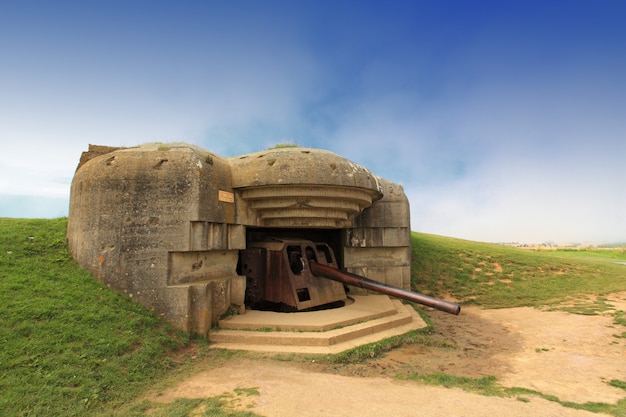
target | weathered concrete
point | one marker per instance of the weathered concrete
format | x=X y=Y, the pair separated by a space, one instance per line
x=368 y=319
x=163 y=223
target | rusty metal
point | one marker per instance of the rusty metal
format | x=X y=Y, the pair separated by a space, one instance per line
x=253 y=262
x=277 y=274
x=334 y=274
x=287 y=272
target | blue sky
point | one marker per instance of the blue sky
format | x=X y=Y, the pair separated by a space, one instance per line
x=503 y=120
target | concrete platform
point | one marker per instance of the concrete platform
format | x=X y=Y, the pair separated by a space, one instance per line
x=366 y=319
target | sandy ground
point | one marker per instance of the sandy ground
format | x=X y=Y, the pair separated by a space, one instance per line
x=572 y=357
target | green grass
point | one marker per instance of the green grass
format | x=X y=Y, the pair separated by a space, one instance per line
x=495 y=276
x=183 y=407
x=284 y=145
x=484 y=386
x=71 y=347
x=618 y=384
x=600 y=254
x=489 y=386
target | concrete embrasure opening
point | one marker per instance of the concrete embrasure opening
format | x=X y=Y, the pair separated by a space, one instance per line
x=290 y=309
x=282 y=282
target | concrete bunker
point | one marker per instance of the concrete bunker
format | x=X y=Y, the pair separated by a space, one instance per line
x=165 y=224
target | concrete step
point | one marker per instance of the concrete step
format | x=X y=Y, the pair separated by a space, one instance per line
x=366 y=320
x=357 y=309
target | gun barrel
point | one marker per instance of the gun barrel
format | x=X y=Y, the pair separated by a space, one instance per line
x=334 y=274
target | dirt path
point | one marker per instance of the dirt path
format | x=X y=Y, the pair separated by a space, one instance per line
x=572 y=357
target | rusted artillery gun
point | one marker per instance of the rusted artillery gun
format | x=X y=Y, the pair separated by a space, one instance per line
x=285 y=273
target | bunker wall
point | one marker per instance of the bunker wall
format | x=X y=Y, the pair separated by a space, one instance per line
x=164 y=224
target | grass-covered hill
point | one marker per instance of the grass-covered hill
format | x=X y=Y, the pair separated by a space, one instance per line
x=71 y=347
x=495 y=276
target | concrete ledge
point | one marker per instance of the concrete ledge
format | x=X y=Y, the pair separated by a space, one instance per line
x=369 y=319
x=357 y=309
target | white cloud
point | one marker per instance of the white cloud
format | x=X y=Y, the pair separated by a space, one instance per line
x=493 y=136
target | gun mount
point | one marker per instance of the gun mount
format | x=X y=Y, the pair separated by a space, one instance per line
x=286 y=273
